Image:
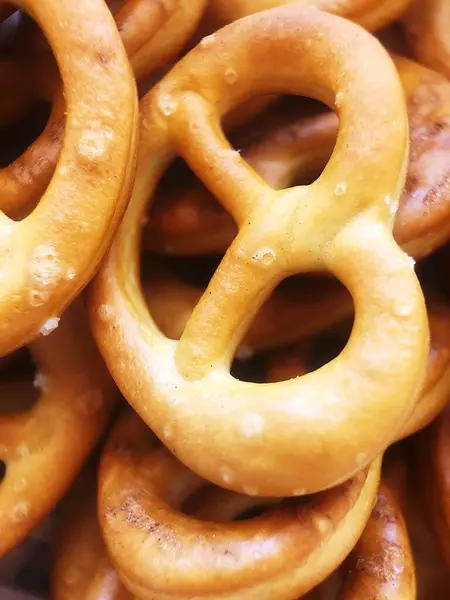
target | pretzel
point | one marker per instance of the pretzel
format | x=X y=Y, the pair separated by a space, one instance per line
x=299 y=309
x=156 y=549
x=192 y=222
x=45 y=447
x=426 y=26
x=272 y=440
x=434 y=394
x=381 y=564
x=155 y=32
x=152 y=33
x=42 y=269
x=371 y=14
x=81 y=569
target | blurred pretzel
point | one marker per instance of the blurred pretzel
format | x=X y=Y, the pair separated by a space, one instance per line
x=434 y=450
x=152 y=32
x=81 y=568
x=427 y=24
x=431 y=570
x=45 y=446
x=42 y=267
x=434 y=395
x=371 y=14
x=301 y=308
x=156 y=548
x=6 y=10
x=280 y=438
x=190 y=221
x=381 y=566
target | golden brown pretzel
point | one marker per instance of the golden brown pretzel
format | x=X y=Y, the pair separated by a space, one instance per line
x=42 y=269
x=427 y=23
x=371 y=14
x=277 y=438
x=190 y=221
x=299 y=309
x=381 y=566
x=44 y=448
x=152 y=33
x=160 y=553
x=434 y=395
x=81 y=568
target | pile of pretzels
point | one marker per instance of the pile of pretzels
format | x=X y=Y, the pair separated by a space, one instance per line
x=224 y=299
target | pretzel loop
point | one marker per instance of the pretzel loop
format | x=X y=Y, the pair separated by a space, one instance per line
x=183 y=557
x=277 y=438
x=44 y=447
x=41 y=269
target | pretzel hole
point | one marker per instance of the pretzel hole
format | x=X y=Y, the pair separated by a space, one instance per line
x=19 y=389
x=302 y=310
x=241 y=508
x=325 y=347
x=2 y=470
x=433 y=271
x=22 y=134
x=185 y=214
x=288 y=144
x=33 y=132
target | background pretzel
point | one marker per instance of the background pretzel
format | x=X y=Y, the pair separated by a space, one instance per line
x=280 y=233
x=433 y=452
x=45 y=447
x=427 y=25
x=152 y=33
x=288 y=550
x=190 y=221
x=371 y=14
x=382 y=565
x=81 y=568
x=42 y=270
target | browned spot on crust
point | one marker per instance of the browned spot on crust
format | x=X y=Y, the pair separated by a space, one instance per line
x=103 y=57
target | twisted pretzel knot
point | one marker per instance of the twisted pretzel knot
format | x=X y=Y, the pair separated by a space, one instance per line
x=44 y=448
x=275 y=438
x=298 y=310
x=42 y=271
x=190 y=221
